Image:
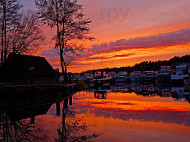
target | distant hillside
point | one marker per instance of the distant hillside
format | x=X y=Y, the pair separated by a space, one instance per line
x=148 y=65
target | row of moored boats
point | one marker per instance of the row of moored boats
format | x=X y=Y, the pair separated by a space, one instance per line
x=175 y=75
x=164 y=74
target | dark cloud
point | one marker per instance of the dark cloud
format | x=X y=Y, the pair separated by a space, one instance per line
x=161 y=40
x=52 y=55
x=143 y=43
x=115 y=56
x=94 y=58
x=126 y=104
x=124 y=55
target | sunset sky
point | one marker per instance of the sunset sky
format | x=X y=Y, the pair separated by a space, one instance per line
x=128 y=32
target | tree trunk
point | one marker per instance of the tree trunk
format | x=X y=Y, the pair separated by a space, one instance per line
x=63 y=66
x=63 y=46
x=2 y=40
x=5 y=30
x=61 y=60
x=66 y=73
x=64 y=129
x=2 y=33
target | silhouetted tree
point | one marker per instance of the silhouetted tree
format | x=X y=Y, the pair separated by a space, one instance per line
x=9 y=17
x=70 y=22
x=20 y=33
x=26 y=36
x=149 y=65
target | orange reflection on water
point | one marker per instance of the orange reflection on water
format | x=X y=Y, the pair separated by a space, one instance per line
x=132 y=102
x=126 y=117
x=133 y=130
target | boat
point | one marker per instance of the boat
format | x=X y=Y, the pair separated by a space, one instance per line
x=165 y=92
x=178 y=91
x=164 y=75
x=150 y=88
x=178 y=77
x=86 y=81
x=121 y=78
x=138 y=90
x=123 y=89
x=149 y=76
x=135 y=76
x=104 y=82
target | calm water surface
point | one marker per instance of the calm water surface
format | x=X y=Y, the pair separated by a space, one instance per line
x=124 y=117
x=111 y=115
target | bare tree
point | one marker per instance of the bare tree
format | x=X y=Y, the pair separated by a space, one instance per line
x=26 y=36
x=68 y=18
x=19 y=33
x=9 y=17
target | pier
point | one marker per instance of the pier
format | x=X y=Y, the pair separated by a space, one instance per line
x=31 y=87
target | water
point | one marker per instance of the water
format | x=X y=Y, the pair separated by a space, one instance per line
x=122 y=114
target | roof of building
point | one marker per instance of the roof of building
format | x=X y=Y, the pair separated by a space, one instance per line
x=18 y=66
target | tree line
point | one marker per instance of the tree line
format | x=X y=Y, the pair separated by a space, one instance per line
x=148 y=65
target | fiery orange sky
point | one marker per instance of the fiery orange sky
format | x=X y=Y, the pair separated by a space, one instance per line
x=128 y=32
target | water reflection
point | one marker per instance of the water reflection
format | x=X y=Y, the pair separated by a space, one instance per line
x=22 y=121
x=123 y=112
x=17 y=116
x=148 y=89
x=149 y=102
x=15 y=127
x=72 y=129
x=136 y=112
x=100 y=94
